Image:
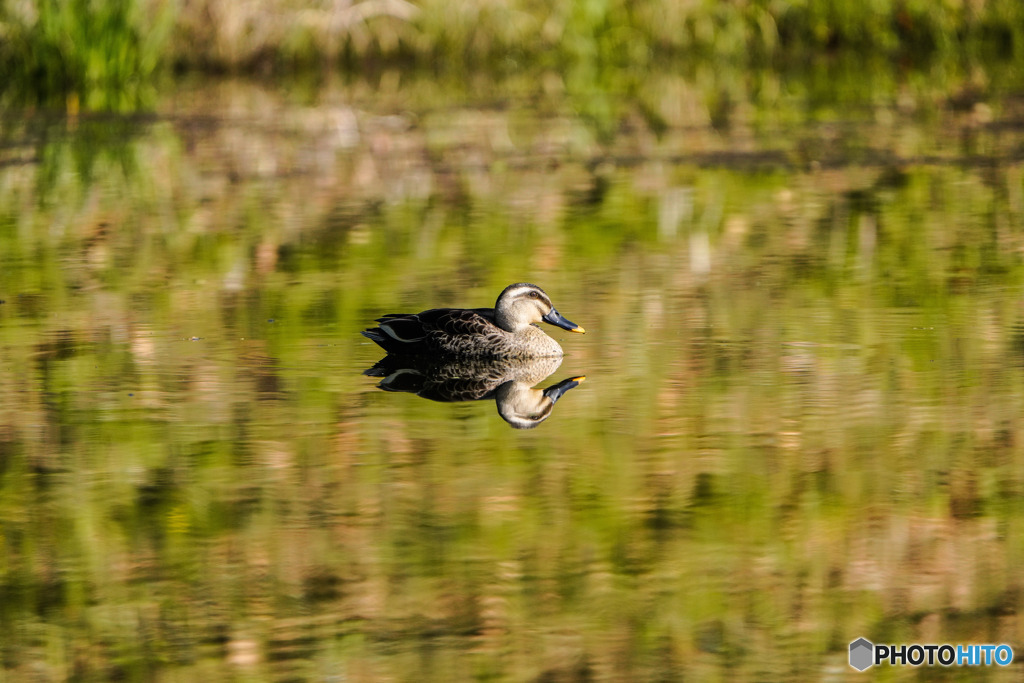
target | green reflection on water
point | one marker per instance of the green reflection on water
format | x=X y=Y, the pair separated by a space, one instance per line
x=801 y=423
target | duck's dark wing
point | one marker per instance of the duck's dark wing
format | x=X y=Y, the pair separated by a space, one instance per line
x=403 y=328
x=398 y=332
x=409 y=332
x=459 y=321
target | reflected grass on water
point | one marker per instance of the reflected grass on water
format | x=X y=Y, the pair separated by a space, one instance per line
x=801 y=421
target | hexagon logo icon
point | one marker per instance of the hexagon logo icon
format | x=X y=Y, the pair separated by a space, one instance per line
x=861 y=653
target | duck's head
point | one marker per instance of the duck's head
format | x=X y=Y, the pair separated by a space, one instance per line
x=522 y=304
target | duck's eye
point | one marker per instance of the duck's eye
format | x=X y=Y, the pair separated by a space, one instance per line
x=533 y=295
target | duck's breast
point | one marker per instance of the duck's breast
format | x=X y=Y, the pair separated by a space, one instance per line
x=533 y=343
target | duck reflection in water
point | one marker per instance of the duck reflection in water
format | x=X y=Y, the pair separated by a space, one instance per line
x=510 y=382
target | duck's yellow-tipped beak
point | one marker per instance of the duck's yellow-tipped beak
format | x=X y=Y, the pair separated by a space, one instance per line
x=555 y=318
x=556 y=391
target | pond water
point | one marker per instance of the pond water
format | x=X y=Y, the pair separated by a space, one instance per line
x=802 y=420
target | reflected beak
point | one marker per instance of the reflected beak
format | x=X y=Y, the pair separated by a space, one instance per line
x=555 y=392
x=555 y=318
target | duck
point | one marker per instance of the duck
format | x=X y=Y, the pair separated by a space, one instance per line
x=508 y=330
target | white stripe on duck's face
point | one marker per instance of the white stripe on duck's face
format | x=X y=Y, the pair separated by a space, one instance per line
x=520 y=305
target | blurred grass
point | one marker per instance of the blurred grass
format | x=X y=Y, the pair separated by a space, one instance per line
x=96 y=54
x=107 y=54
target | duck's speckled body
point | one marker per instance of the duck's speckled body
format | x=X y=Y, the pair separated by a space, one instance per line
x=505 y=331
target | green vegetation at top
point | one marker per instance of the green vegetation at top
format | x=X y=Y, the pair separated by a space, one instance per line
x=97 y=53
x=104 y=54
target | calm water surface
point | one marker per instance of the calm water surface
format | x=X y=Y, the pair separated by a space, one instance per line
x=801 y=421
